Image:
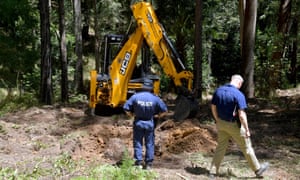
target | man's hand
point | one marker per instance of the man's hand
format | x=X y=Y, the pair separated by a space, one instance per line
x=161 y=115
x=215 y=113
x=247 y=133
x=130 y=114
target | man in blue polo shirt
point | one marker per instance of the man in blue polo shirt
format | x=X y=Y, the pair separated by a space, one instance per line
x=228 y=109
x=143 y=106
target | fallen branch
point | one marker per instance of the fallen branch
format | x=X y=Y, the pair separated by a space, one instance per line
x=183 y=177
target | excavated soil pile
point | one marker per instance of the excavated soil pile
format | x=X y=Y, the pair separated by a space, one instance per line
x=108 y=138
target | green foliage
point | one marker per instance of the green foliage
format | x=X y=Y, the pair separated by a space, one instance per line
x=17 y=103
x=18 y=41
x=268 y=40
x=110 y=17
x=2 y=130
x=165 y=82
x=264 y=44
x=15 y=174
x=31 y=80
x=19 y=38
x=126 y=171
x=178 y=21
x=64 y=166
x=221 y=39
x=226 y=59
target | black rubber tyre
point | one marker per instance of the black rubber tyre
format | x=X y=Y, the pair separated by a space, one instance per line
x=185 y=107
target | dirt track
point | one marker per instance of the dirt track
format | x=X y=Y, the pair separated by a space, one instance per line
x=49 y=131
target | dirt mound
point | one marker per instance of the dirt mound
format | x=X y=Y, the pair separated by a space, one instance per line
x=188 y=136
x=107 y=138
x=191 y=140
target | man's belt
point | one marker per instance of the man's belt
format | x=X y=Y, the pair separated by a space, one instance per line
x=231 y=121
x=141 y=119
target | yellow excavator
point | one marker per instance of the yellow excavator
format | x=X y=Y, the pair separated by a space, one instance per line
x=121 y=76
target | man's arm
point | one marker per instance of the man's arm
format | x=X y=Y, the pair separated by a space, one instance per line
x=244 y=121
x=215 y=112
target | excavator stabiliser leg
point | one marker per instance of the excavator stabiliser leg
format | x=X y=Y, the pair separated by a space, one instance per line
x=185 y=107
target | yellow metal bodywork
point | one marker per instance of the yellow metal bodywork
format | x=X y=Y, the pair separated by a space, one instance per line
x=114 y=92
x=153 y=34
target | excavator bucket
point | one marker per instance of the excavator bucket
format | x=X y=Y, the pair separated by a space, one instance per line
x=186 y=107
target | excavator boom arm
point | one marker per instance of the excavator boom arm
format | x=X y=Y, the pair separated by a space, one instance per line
x=157 y=40
x=122 y=68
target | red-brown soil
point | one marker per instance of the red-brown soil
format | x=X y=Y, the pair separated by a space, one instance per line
x=183 y=149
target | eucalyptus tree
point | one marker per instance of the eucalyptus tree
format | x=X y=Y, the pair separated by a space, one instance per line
x=248 y=14
x=63 y=52
x=293 y=74
x=46 y=90
x=198 y=49
x=78 y=76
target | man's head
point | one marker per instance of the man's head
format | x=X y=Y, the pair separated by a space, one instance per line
x=237 y=81
x=147 y=85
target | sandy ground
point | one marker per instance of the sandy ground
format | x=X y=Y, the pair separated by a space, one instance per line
x=183 y=149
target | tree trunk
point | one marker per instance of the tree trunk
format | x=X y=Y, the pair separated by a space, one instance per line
x=293 y=70
x=198 y=50
x=279 y=46
x=97 y=38
x=46 y=91
x=248 y=42
x=242 y=6
x=63 y=53
x=78 y=49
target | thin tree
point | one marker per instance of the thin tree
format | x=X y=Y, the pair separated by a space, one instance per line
x=78 y=48
x=97 y=36
x=248 y=14
x=279 y=45
x=198 y=50
x=46 y=91
x=63 y=52
x=294 y=68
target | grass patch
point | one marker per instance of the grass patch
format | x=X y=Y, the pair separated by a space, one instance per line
x=2 y=129
x=64 y=167
x=125 y=171
x=17 y=103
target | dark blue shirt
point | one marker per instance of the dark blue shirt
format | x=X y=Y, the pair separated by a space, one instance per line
x=228 y=100
x=145 y=105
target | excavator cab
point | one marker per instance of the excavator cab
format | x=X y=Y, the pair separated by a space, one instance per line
x=112 y=44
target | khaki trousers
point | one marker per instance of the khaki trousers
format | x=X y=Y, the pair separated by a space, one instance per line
x=227 y=130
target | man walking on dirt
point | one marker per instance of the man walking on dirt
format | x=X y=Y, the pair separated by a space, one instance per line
x=144 y=105
x=228 y=109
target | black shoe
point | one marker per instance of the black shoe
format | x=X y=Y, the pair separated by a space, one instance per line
x=262 y=169
x=211 y=176
x=148 y=166
x=138 y=164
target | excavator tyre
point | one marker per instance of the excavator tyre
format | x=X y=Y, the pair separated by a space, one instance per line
x=186 y=107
